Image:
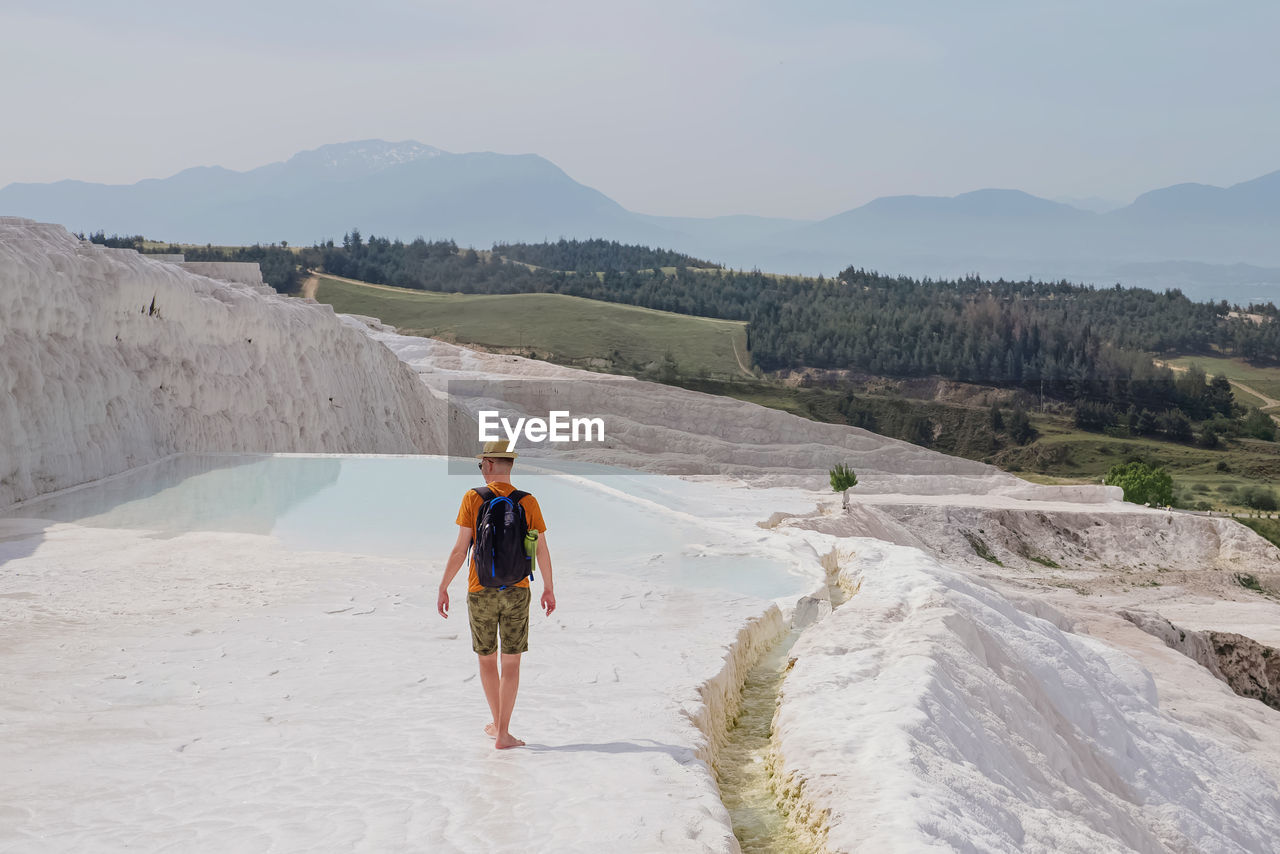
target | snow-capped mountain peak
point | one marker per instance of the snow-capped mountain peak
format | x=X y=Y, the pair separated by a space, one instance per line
x=362 y=157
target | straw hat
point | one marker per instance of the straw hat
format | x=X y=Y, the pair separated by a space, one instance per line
x=497 y=450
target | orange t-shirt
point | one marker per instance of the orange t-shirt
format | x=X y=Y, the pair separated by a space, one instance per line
x=467 y=519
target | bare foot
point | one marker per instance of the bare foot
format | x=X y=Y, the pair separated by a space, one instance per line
x=506 y=741
x=491 y=730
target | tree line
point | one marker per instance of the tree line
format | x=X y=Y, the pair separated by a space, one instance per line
x=1056 y=339
x=595 y=256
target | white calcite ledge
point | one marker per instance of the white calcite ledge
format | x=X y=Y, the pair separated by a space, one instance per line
x=930 y=712
x=227 y=271
x=109 y=360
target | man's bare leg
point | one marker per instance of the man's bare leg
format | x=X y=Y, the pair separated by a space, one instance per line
x=507 y=688
x=490 y=680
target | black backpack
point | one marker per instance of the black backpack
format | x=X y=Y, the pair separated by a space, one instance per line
x=499 y=547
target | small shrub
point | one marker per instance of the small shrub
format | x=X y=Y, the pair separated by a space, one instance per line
x=842 y=478
x=1141 y=483
x=1249 y=582
x=980 y=548
x=1259 y=425
x=1019 y=425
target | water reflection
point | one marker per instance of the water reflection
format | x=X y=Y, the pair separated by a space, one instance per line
x=246 y=493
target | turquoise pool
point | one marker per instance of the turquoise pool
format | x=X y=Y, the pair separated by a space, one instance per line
x=603 y=519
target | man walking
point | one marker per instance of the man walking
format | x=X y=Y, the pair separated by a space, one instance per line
x=501 y=609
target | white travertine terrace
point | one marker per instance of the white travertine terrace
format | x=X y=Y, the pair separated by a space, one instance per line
x=931 y=711
x=110 y=360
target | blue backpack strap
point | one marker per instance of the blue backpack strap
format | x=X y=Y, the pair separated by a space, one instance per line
x=517 y=496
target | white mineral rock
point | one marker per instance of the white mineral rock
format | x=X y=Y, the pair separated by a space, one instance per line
x=109 y=360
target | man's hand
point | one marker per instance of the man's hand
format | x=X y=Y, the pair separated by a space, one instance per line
x=548 y=601
x=457 y=557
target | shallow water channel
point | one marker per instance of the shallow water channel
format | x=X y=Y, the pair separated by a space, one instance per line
x=746 y=785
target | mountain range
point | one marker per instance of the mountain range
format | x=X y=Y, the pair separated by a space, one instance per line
x=1212 y=242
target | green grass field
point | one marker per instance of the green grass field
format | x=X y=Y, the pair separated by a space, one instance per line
x=555 y=327
x=1264 y=380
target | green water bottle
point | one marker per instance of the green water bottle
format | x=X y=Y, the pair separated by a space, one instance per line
x=531 y=548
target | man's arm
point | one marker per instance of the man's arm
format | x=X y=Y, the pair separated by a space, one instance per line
x=544 y=566
x=457 y=557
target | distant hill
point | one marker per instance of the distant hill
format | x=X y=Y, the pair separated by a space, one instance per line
x=1256 y=201
x=986 y=204
x=984 y=223
x=1222 y=241
x=404 y=189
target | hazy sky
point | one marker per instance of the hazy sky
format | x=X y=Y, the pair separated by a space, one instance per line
x=797 y=108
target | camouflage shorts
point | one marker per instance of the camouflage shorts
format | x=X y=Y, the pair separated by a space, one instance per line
x=495 y=613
